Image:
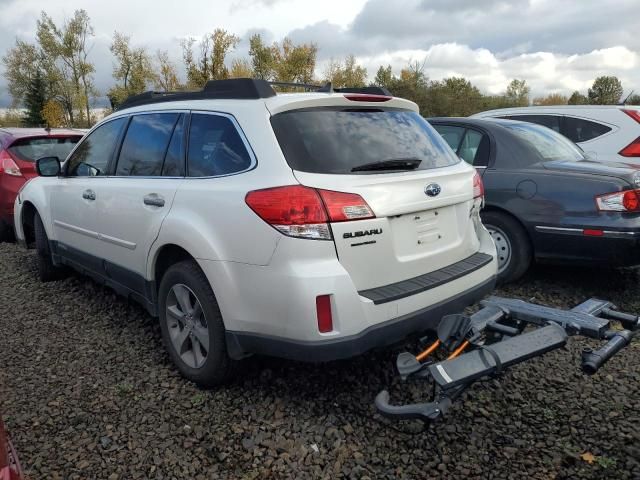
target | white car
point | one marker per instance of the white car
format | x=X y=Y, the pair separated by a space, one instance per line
x=607 y=133
x=310 y=226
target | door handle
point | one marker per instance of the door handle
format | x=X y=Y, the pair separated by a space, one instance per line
x=89 y=195
x=154 y=200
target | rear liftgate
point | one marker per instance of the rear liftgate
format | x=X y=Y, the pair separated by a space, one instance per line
x=506 y=320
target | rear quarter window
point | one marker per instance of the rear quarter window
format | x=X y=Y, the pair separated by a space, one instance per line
x=335 y=140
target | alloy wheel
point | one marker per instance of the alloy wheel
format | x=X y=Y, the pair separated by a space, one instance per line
x=187 y=326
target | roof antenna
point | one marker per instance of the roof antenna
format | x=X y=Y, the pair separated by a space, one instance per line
x=326 y=88
x=624 y=102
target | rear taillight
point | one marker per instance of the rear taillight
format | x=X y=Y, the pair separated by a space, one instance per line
x=478 y=186
x=343 y=207
x=633 y=114
x=631 y=150
x=323 y=313
x=8 y=165
x=304 y=212
x=624 y=201
x=363 y=97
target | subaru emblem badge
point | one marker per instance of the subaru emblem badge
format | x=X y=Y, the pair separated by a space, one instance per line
x=432 y=190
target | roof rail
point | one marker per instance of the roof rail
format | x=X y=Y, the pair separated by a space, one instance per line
x=241 y=89
x=233 y=88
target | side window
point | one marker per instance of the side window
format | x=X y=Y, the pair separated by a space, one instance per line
x=145 y=144
x=92 y=156
x=549 y=121
x=452 y=135
x=474 y=148
x=581 y=130
x=215 y=147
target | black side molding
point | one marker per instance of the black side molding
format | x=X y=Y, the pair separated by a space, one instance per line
x=422 y=283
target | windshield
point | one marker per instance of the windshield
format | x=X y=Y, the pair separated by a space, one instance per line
x=359 y=141
x=549 y=144
x=31 y=149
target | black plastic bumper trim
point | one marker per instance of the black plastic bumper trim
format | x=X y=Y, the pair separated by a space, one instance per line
x=422 y=283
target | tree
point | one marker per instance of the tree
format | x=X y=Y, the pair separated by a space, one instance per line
x=133 y=69
x=241 y=68
x=551 y=99
x=53 y=114
x=294 y=63
x=605 y=91
x=384 y=77
x=166 y=78
x=21 y=64
x=35 y=99
x=64 y=53
x=210 y=63
x=347 y=74
x=454 y=96
x=633 y=100
x=261 y=58
x=577 y=98
x=517 y=94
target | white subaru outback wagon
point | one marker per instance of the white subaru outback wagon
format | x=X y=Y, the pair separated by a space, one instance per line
x=310 y=226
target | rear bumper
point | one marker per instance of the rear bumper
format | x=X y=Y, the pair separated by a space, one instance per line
x=380 y=335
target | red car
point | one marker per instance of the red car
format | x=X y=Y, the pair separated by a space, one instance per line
x=19 y=149
x=9 y=464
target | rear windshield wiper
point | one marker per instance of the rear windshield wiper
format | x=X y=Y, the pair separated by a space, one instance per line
x=394 y=164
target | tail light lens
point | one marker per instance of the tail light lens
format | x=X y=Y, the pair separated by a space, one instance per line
x=624 y=201
x=8 y=165
x=478 y=186
x=633 y=114
x=304 y=212
x=343 y=207
x=631 y=150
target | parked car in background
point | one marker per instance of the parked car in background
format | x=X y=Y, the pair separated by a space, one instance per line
x=10 y=468
x=19 y=149
x=607 y=133
x=545 y=199
x=312 y=226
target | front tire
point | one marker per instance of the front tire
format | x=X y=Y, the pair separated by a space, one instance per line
x=192 y=328
x=512 y=245
x=47 y=271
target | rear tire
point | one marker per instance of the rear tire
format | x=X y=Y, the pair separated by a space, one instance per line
x=512 y=245
x=47 y=271
x=192 y=328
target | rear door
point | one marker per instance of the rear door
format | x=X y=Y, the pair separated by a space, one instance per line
x=419 y=190
x=131 y=204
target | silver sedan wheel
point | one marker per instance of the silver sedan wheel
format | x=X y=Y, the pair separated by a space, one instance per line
x=187 y=326
x=503 y=247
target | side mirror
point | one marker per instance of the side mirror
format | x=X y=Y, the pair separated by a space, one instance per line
x=48 y=166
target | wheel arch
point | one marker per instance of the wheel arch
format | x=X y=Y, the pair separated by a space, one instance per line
x=502 y=211
x=27 y=218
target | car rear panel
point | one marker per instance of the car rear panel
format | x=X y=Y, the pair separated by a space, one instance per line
x=412 y=233
x=344 y=148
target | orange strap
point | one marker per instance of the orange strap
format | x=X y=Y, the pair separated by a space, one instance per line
x=428 y=351
x=458 y=350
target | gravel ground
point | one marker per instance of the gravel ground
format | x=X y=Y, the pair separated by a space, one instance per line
x=88 y=392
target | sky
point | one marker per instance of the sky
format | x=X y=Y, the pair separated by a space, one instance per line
x=555 y=45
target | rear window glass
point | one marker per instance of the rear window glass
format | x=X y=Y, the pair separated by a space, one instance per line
x=548 y=144
x=31 y=149
x=327 y=140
